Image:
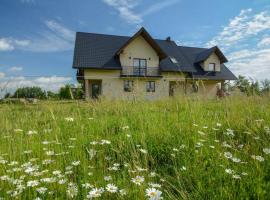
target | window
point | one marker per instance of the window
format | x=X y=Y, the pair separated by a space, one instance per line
x=173 y=60
x=139 y=66
x=150 y=86
x=212 y=67
x=128 y=86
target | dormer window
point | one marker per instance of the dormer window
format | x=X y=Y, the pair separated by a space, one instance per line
x=212 y=67
x=173 y=60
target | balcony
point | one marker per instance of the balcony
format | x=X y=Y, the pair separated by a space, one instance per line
x=140 y=72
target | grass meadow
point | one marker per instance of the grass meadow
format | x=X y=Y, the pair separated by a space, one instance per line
x=174 y=149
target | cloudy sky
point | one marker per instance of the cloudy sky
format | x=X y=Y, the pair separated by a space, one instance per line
x=37 y=36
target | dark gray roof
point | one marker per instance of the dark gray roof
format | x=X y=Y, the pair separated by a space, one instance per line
x=192 y=54
x=98 y=51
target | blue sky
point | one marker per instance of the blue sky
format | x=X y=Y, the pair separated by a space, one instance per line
x=37 y=36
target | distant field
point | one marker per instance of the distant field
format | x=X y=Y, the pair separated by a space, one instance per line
x=188 y=149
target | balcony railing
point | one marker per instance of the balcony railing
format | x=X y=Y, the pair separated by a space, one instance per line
x=140 y=71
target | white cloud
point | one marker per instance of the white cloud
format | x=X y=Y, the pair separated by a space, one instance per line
x=241 y=27
x=9 y=44
x=264 y=42
x=27 y=1
x=2 y=75
x=126 y=9
x=246 y=42
x=15 y=69
x=55 y=38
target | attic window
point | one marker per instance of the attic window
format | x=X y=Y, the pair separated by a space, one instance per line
x=173 y=60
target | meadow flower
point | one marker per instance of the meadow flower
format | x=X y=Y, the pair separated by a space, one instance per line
x=154 y=185
x=107 y=178
x=229 y=132
x=266 y=150
x=105 y=142
x=201 y=133
x=41 y=190
x=218 y=124
x=111 y=188
x=183 y=168
x=72 y=139
x=95 y=192
x=176 y=150
x=153 y=194
x=49 y=153
x=87 y=185
x=72 y=190
x=45 y=142
x=48 y=180
x=144 y=151
x=259 y=158
x=125 y=127
x=236 y=160
x=69 y=119
x=195 y=124
x=225 y=144
x=18 y=130
x=212 y=147
x=76 y=163
x=32 y=183
x=235 y=176
x=123 y=192
x=229 y=171
x=152 y=174
x=90 y=118
x=228 y=155
x=244 y=173
x=138 y=180
x=27 y=152
x=47 y=161
x=31 y=132
x=62 y=181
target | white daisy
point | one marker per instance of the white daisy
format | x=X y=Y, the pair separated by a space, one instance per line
x=153 y=194
x=111 y=188
x=138 y=180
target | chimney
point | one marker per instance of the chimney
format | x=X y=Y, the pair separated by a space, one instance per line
x=168 y=39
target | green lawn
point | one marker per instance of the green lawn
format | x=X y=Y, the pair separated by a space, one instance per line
x=186 y=149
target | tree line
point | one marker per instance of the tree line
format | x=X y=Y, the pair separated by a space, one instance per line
x=66 y=92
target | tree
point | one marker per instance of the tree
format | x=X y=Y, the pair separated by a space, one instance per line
x=265 y=86
x=65 y=92
x=30 y=92
x=52 y=95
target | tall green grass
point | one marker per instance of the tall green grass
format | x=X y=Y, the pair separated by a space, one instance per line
x=182 y=141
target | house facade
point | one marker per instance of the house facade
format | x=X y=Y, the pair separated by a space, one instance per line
x=120 y=67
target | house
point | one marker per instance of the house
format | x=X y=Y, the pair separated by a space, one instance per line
x=120 y=67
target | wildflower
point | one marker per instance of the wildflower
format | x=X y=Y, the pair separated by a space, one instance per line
x=153 y=194
x=259 y=158
x=125 y=127
x=229 y=132
x=76 y=163
x=45 y=142
x=195 y=124
x=228 y=155
x=33 y=183
x=41 y=190
x=105 y=142
x=138 y=180
x=49 y=153
x=69 y=119
x=225 y=144
x=235 y=176
x=62 y=181
x=144 y=151
x=219 y=124
x=244 y=173
x=176 y=150
x=18 y=130
x=87 y=185
x=128 y=135
x=111 y=188
x=201 y=133
x=266 y=150
x=31 y=132
x=154 y=185
x=229 y=171
x=183 y=168
x=236 y=160
x=72 y=190
x=107 y=178
x=122 y=192
x=90 y=118
x=72 y=139
x=212 y=147
x=95 y=192
x=152 y=174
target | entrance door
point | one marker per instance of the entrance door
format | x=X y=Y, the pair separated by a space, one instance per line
x=96 y=90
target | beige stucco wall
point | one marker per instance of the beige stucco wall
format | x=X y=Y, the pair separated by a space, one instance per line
x=213 y=58
x=207 y=88
x=139 y=48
